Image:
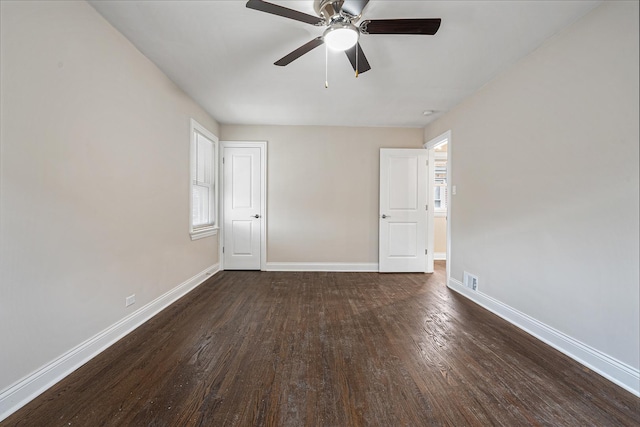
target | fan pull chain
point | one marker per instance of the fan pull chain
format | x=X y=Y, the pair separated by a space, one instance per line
x=356 y=60
x=326 y=66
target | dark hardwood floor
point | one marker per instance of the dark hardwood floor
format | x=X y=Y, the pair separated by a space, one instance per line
x=329 y=349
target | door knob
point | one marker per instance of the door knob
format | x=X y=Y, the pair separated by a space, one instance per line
x=384 y=216
x=256 y=216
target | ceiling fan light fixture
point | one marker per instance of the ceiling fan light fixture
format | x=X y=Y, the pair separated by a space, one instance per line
x=341 y=36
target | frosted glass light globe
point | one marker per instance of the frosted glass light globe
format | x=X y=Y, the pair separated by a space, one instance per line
x=341 y=36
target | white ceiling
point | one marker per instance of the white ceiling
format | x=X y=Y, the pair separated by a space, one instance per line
x=222 y=55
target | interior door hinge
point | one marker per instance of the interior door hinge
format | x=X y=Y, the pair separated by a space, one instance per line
x=223 y=249
x=223 y=160
x=425 y=251
x=426 y=207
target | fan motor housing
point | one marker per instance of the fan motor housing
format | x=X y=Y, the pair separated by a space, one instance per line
x=329 y=10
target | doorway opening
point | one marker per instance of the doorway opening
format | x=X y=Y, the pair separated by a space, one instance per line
x=438 y=223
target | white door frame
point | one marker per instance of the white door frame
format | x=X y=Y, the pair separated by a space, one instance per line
x=429 y=145
x=262 y=145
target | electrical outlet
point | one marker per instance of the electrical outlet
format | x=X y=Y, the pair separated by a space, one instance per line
x=471 y=281
x=130 y=300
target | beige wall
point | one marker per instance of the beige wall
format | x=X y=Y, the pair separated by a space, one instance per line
x=543 y=158
x=440 y=235
x=323 y=189
x=94 y=179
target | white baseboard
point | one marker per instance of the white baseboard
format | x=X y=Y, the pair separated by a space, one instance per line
x=439 y=256
x=614 y=370
x=322 y=266
x=31 y=386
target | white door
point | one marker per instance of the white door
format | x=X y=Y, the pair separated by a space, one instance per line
x=403 y=210
x=243 y=209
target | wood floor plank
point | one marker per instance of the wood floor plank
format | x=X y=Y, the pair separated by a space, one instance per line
x=329 y=349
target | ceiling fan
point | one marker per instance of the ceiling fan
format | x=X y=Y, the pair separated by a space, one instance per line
x=340 y=17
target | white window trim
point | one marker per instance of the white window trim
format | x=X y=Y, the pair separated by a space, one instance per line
x=441 y=155
x=441 y=212
x=209 y=230
x=201 y=233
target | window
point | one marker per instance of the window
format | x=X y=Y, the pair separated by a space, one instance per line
x=440 y=188
x=204 y=193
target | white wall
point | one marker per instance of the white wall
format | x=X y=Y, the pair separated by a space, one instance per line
x=323 y=189
x=545 y=160
x=94 y=182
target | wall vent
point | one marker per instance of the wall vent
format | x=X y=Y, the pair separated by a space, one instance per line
x=471 y=281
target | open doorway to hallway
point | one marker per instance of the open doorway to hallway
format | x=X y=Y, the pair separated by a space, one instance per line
x=440 y=202
x=438 y=212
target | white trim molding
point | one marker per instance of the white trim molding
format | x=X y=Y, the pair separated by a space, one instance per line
x=323 y=266
x=31 y=386
x=612 y=369
x=201 y=233
x=439 y=256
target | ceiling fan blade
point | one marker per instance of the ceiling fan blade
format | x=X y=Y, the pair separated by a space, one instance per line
x=286 y=60
x=363 y=64
x=401 y=26
x=274 y=9
x=354 y=7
